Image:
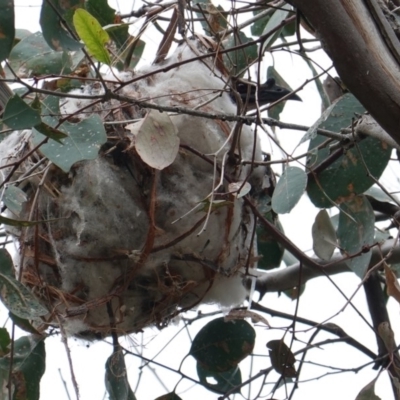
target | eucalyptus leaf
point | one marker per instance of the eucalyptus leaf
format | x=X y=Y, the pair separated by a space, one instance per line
x=93 y=35
x=225 y=381
x=33 y=57
x=282 y=358
x=7 y=28
x=17 y=222
x=23 y=324
x=28 y=367
x=276 y=110
x=18 y=115
x=5 y=340
x=156 y=139
x=368 y=392
x=116 y=380
x=56 y=36
x=289 y=190
x=324 y=236
x=50 y=132
x=83 y=142
x=6 y=263
x=14 y=198
x=169 y=396
x=356 y=232
x=276 y=19
x=269 y=249
x=18 y=299
x=221 y=345
x=347 y=175
x=237 y=61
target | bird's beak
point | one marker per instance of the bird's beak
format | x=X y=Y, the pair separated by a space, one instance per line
x=268 y=92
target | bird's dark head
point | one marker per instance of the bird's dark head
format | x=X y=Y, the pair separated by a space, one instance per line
x=268 y=92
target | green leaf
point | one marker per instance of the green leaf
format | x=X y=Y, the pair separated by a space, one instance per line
x=324 y=236
x=23 y=324
x=220 y=345
x=169 y=396
x=56 y=36
x=33 y=57
x=14 y=198
x=156 y=139
x=275 y=111
x=18 y=115
x=277 y=17
x=29 y=365
x=4 y=342
x=238 y=61
x=270 y=250
x=92 y=34
x=116 y=380
x=83 y=142
x=377 y=193
x=368 y=392
x=225 y=381
x=347 y=176
x=289 y=190
x=6 y=263
x=17 y=222
x=106 y=15
x=7 y=28
x=101 y=10
x=137 y=54
x=356 y=231
x=18 y=299
x=257 y=28
x=50 y=132
x=282 y=358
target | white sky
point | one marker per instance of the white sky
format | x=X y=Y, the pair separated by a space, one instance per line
x=319 y=302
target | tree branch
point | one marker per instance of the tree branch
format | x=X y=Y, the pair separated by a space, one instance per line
x=287 y=278
x=365 y=53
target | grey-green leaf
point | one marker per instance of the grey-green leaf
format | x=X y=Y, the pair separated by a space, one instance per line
x=347 y=175
x=7 y=28
x=14 y=198
x=6 y=263
x=224 y=381
x=156 y=139
x=356 y=232
x=368 y=392
x=116 y=380
x=18 y=115
x=18 y=299
x=237 y=61
x=56 y=36
x=29 y=365
x=33 y=57
x=324 y=236
x=83 y=142
x=277 y=17
x=289 y=190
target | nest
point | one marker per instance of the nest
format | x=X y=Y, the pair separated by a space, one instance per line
x=118 y=246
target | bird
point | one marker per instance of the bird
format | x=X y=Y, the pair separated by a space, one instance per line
x=268 y=92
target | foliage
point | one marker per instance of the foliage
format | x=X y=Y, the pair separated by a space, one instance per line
x=89 y=44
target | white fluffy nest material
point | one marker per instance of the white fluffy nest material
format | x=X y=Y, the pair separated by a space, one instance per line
x=109 y=234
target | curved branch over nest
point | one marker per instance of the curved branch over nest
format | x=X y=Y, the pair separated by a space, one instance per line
x=365 y=52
